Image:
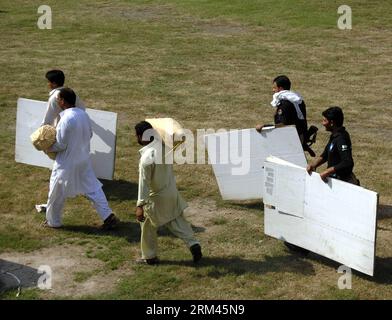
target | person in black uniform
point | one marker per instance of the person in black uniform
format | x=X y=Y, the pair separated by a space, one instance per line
x=338 y=150
x=290 y=110
x=290 y=106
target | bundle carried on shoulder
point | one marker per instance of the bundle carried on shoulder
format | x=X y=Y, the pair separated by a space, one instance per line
x=169 y=130
x=43 y=138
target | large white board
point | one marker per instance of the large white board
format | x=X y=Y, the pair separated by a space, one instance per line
x=254 y=147
x=103 y=143
x=335 y=219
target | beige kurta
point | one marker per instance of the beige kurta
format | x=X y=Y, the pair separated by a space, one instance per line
x=157 y=187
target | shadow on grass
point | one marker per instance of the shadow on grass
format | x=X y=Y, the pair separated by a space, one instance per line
x=163 y=231
x=14 y=275
x=239 y=266
x=382 y=271
x=384 y=211
x=120 y=190
x=252 y=205
x=128 y=230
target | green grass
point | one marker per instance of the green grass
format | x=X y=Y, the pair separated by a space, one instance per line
x=208 y=64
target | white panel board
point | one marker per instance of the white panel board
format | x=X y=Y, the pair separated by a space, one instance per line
x=103 y=143
x=253 y=147
x=287 y=194
x=339 y=219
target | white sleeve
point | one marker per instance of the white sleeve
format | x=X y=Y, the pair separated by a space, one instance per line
x=145 y=173
x=52 y=111
x=61 y=138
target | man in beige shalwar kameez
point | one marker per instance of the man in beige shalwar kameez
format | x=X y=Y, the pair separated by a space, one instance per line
x=159 y=202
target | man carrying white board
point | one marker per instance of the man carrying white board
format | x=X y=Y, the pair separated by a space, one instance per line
x=338 y=150
x=291 y=110
x=72 y=172
x=56 y=80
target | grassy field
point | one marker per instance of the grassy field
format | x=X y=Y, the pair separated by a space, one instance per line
x=208 y=64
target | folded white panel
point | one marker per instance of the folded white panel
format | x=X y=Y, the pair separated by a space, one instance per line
x=287 y=194
x=238 y=156
x=338 y=219
x=103 y=143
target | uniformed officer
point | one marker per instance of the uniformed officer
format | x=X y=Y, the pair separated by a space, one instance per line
x=290 y=110
x=338 y=150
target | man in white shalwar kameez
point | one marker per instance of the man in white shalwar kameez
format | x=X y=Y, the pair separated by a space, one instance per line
x=56 y=80
x=159 y=202
x=72 y=172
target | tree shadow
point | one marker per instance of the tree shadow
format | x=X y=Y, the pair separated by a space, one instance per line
x=14 y=275
x=128 y=230
x=120 y=190
x=384 y=211
x=239 y=266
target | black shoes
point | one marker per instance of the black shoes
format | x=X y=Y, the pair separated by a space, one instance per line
x=150 y=262
x=196 y=252
x=110 y=223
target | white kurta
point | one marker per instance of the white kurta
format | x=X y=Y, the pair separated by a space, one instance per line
x=72 y=172
x=52 y=115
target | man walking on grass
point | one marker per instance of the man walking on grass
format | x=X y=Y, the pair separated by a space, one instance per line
x=55 y=80
x=72 y=172
x=159 y=202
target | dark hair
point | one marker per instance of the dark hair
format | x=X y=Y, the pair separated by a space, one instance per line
x=68 y=95
x=335 y=114
x=56 y=76
x=142 y=127
x=283 y=81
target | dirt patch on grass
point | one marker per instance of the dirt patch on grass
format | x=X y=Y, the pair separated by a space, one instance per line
x=73 y=273
x=206 y=216
x=171 y=15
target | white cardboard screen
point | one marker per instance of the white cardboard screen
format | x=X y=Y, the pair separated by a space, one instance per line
x=338 y=219
x=103 y=143
x=283 y=142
